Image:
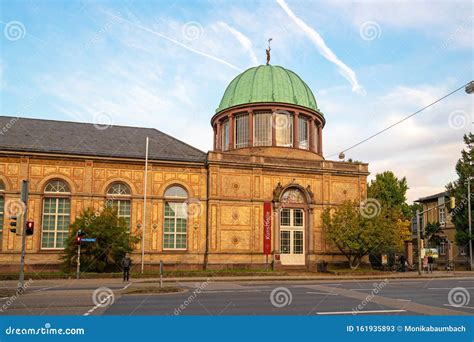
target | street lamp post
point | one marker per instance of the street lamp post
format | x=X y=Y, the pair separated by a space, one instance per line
x=469 y=219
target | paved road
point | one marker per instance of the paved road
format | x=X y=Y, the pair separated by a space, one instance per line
x=391 y=297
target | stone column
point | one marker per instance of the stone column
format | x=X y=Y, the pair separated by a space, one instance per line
x=231 y=131
x=320 y=139
x=218 y=138
x=250 y=128
x=311 y=137
x=295 y=131
x=273 y=127
x=409 y=252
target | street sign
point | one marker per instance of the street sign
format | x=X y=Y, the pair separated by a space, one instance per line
x=88 y=240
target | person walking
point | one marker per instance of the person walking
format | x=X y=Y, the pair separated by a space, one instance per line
x=126 y=264
x=430 y=263
x=425 y=264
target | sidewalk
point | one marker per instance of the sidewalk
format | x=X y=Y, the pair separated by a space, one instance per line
x=316 y=276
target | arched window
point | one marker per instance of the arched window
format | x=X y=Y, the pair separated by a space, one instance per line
x=262 y=128
x=119 y=197
x=303 y=133
x=175 y=218
x=2 y=214
x=225 y=135
x=284 y=129
x=241 y=130
x=56 y=214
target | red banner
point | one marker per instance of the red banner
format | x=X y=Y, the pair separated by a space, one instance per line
x=267 y=228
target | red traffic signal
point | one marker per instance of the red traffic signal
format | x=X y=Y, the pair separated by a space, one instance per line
x=78 y=240
x=30 y=226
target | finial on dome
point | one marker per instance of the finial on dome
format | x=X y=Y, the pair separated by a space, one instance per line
x=268 y=51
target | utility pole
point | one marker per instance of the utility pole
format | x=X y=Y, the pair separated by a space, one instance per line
x=418 y=238
x=469 y=219
x=144 y=206
x=24 y=199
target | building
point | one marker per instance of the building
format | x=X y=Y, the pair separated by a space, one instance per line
x=447 y=247
x=266 y=166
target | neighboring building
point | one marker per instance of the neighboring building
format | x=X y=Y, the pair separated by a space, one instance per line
x=439 y=214
x=201 y=208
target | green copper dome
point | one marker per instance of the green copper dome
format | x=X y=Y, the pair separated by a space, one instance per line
x=268 y=83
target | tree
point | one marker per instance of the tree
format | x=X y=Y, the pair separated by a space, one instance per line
x=112 y=241
x=458 y=189
x=356 y=235
x=390 y=192
x=433 y=234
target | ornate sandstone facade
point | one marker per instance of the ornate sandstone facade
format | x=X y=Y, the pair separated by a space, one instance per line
x=203 y=210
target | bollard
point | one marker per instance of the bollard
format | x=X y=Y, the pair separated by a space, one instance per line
x=161 y=274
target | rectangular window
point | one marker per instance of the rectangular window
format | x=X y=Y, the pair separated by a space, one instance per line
x=442 y=248
x=303 y=133
x=316 y=137
x=284 y=130
x=442 y=215
x=241 y=130
x=262 y=129
x=56 y=212
x=285 y=217
x=175 y=226
x=2 y=217
x=298 y=218
x=123 y=208
x=225 y=135
x=297 y=242
x=285 y=242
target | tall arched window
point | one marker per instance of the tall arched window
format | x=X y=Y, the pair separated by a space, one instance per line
x=119 y=197
x=56 y=214
x=2 y=210
x=303 y=133
x=284 y=129
x=175 y=218
x=225 y=135
x=241 y=130
x=262 y=123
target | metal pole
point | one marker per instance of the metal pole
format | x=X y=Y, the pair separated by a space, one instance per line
x=161 y=274
x=24 y=199
x=418 y=238
x=469 y=218
x=78 y=267
x=144 y=206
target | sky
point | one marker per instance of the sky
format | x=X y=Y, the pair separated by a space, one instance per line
x=166 y=64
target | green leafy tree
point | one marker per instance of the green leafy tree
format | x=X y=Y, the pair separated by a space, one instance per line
x=390 y=192
x=458 y=189
x=356 y=235
x=112 y=241
x=433 y=234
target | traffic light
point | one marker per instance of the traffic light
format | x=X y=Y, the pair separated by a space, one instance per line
x=30 y=226
x=453 y=202
x=13 y=223
x=79 y=236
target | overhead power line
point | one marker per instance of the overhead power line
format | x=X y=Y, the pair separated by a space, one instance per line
x=399 y=122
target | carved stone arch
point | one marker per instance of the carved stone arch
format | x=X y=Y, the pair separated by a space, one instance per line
x=280 y=191
x=6 y=183
x=42 y=184
x=106 y=186
x=165 y=186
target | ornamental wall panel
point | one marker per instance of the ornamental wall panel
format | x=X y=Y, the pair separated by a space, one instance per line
x=233 y=216
x=235 y=240
x=235 y=186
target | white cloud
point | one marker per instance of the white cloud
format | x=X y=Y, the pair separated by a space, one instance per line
x=243 y=40
x=327 y=53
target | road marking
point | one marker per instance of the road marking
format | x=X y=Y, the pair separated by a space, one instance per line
x=126 y=286
x=447 y=288
x=46 y=288
x=358 y=312
x=104 y=301
x=404 y=300
x=459 y=306
x=229 y=291
x=372 y=289
x=324 y=293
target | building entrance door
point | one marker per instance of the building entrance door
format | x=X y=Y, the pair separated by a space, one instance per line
x=292 y=249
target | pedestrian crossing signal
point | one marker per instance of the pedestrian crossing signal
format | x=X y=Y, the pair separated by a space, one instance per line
x=13 y=223
x=30 y=226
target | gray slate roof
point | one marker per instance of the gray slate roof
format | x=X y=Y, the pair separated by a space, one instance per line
x=35 y=135
x=432 y=197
